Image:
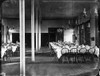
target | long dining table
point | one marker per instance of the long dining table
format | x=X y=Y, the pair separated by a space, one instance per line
x=72 y=50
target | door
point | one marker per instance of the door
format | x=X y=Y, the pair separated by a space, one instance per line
x=55 y=34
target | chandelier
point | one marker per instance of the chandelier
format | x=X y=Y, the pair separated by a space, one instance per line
x=96 y=11
x=84 y=12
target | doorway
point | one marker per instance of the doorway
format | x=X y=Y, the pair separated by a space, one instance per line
x=55 y=34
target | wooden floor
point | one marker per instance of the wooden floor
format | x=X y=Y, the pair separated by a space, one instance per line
x=49 y=66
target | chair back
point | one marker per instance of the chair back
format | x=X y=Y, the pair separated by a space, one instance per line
x=82 y=50
x=73 y=50
x=92 y=50
x=64 y=50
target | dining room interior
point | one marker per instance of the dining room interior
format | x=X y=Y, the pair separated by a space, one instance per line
x=50 y=37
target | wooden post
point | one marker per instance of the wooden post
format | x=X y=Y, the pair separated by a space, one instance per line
x=92 y=28
x=32 y=30
x=10 y=36
x=39 y=26
x=5 y=34
x=39 y=35
x=37 y=30
x=22 y=37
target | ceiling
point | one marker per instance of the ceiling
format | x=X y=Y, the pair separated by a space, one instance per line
x=49 y=8
x=65 y=8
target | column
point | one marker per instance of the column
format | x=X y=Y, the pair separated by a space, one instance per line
x=5 y=34
x=39 y=27
x=78 y=35
x=10 y=36
x=38 y=17
x=37 y=30
x=22 y=36
x=39 y=35
x=32 y=31
x=2 y=33
x=92 y=28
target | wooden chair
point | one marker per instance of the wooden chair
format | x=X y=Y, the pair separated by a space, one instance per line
x=73 y=54
x=81 y=55
x=65 y=55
